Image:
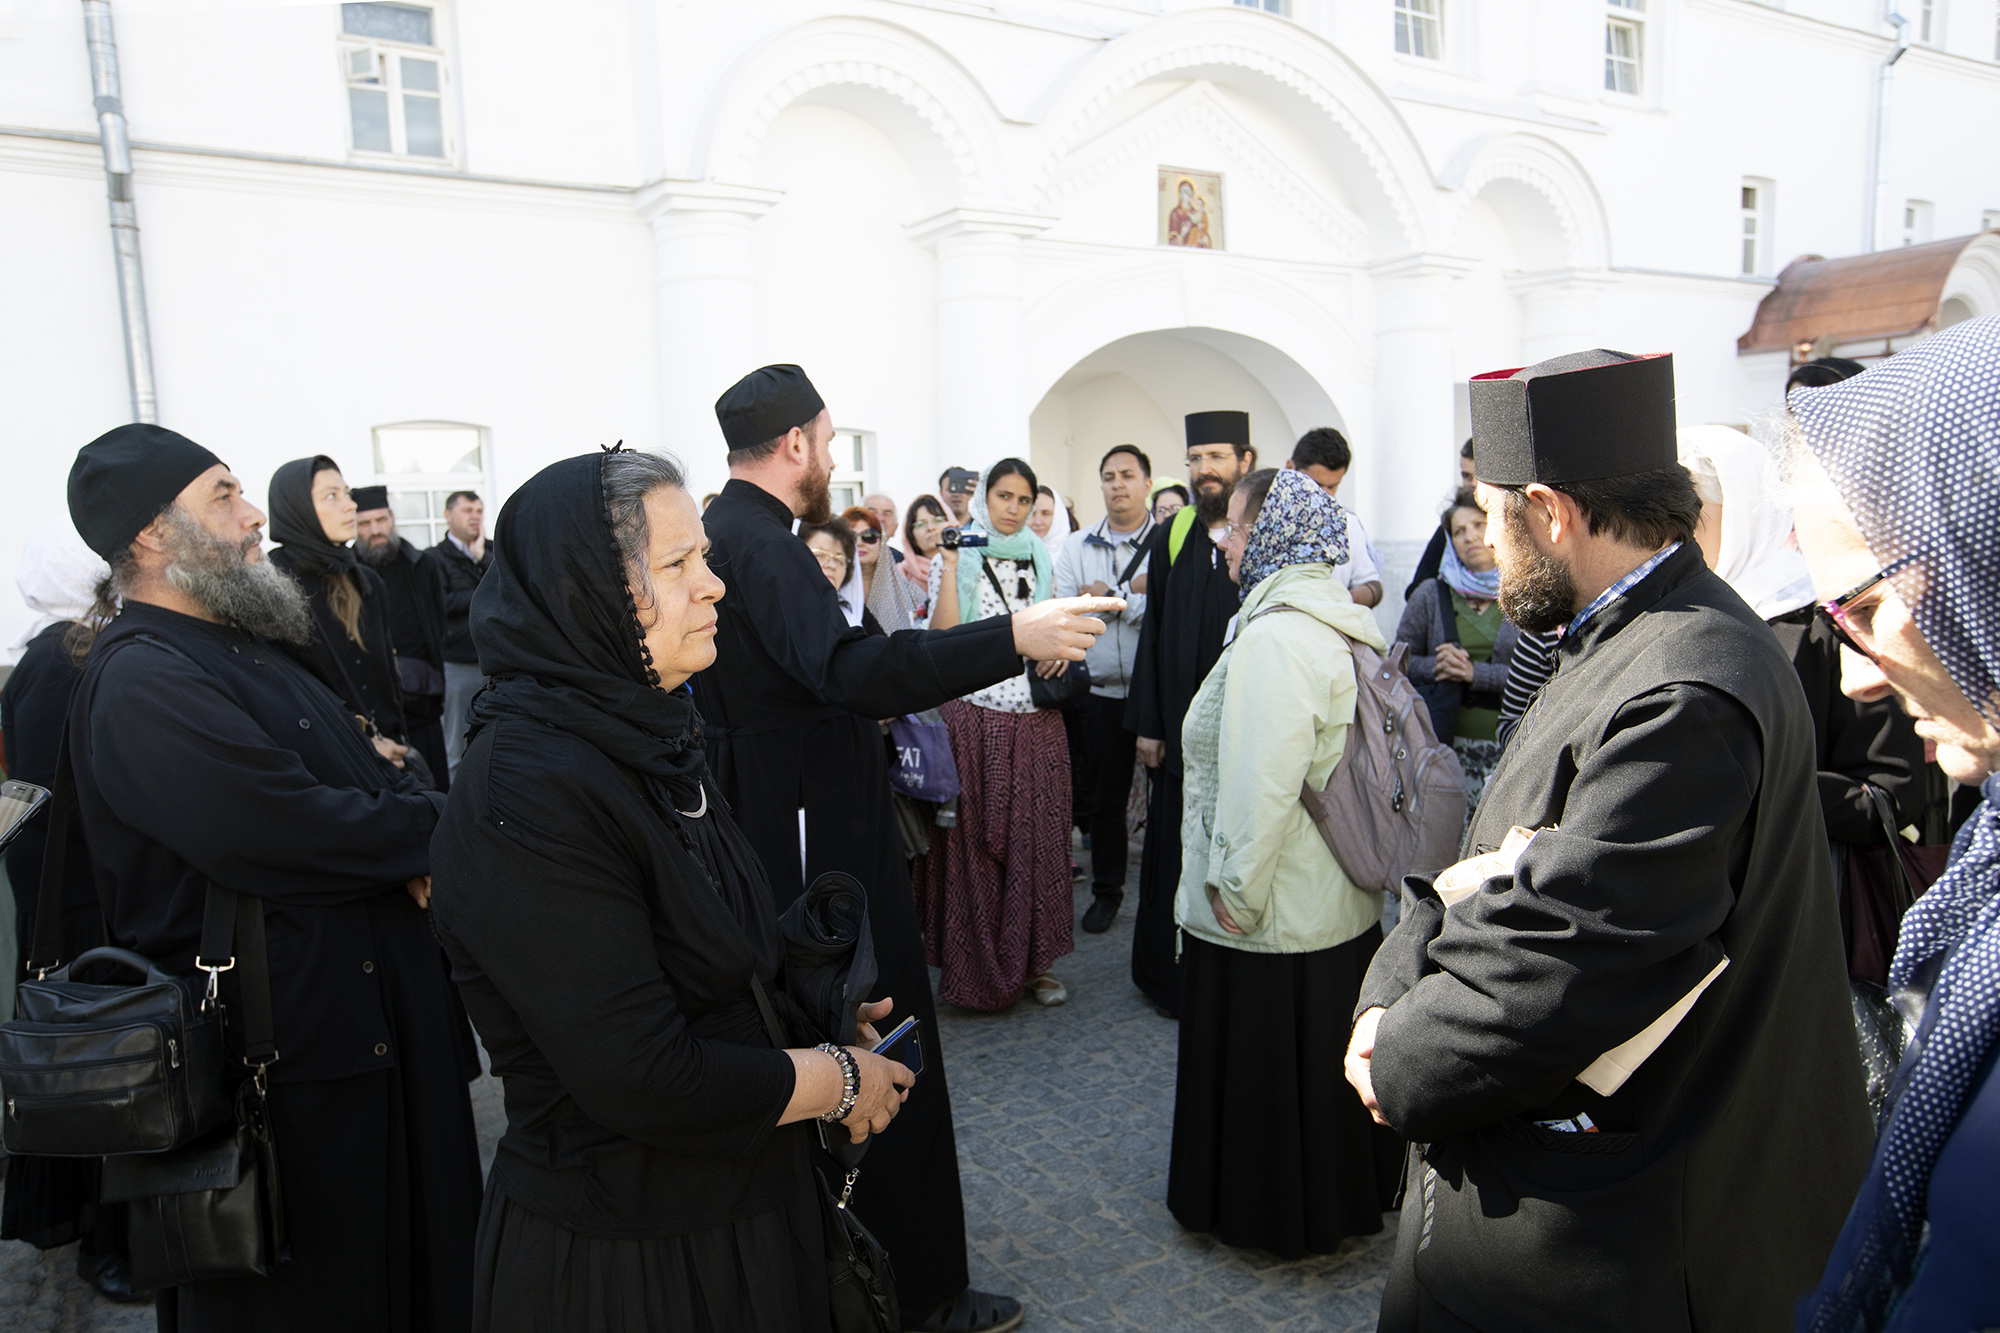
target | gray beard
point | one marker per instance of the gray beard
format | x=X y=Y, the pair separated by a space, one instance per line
x=379 y=557
x=217 y=575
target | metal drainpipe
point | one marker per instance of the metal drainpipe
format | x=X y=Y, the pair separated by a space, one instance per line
x=1885 y=81
x=124 y=215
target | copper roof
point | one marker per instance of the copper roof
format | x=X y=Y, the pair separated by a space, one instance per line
x=1882 y=295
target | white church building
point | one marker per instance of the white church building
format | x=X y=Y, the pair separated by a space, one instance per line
x=446 y=242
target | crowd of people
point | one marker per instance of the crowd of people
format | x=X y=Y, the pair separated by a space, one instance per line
x=1695 y=1028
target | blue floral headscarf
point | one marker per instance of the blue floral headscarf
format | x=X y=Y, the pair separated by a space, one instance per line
x=1913 y=446
x=1298 y=525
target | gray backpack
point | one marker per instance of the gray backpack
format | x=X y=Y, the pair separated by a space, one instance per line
x=1395 y=802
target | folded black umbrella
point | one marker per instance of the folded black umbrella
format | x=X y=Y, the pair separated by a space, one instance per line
x=829 y=956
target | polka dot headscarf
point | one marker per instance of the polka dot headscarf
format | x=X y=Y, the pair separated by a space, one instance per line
x=1914 y=447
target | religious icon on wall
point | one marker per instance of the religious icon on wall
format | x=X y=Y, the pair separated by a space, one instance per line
x=1191 y=208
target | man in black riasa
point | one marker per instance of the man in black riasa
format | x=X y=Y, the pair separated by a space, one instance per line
x=203 y=752
x=1624 y=1052
x=789 y=712
x=416 y=622
x=1190 y=600
x=461 y=560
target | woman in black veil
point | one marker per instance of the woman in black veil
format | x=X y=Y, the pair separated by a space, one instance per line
x=604 y=919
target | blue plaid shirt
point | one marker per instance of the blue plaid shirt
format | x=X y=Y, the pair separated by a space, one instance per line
x=1617 y=589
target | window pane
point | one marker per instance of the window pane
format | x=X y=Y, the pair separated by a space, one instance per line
x=1628 y=4
x=369 y=108
x=423 y=126
x=419 y=76
x=1749 y=255
x=362 y=66
x=1749 y=196
x=398 y=23
x=427 y=450
x=411 y=508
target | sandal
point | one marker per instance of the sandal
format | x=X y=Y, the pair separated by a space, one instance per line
x=1045 y=990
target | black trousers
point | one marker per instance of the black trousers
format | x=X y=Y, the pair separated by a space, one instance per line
x=1107 y=750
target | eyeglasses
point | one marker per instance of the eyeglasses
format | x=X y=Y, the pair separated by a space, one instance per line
x=1231 y=531
x=1854 y=626
x=833 y=562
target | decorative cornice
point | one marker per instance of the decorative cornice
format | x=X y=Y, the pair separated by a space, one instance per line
x=977 y=222
x=663 y=197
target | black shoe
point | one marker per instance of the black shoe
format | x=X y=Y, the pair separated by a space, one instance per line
x=1076 y=872
x=1166 y=1013
x=971 y=1312
x=111 y=1275
x=1102 y=912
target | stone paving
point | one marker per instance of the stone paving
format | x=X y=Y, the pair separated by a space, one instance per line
x=1064 y=1117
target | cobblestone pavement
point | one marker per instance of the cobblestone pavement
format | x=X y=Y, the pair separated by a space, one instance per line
x=1064 y=1117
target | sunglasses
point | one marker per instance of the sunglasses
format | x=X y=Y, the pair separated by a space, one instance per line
x=1854 y=626
x=867 y=536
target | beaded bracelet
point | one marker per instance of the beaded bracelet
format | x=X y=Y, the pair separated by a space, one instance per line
x=850 y=1077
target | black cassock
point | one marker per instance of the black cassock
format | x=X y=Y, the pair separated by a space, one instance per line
x=416 y=598
x=789 y=712
x=202 y=751
x=1189 y=604
x=1669 y=766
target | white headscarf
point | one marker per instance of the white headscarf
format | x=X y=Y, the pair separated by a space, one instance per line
x=58 y=577
x=1759 y=556
x=1059 y=526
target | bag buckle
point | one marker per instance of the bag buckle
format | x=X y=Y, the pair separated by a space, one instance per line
x=847 y=1188
x=215 y=971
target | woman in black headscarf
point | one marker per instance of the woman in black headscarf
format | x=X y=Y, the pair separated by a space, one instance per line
x=312 y=520
x=606 y=922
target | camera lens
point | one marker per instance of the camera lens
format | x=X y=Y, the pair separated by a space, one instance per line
x=948 y=539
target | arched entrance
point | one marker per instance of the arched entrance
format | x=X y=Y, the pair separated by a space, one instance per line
x=1137 y=389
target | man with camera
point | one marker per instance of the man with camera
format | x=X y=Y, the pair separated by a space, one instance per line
x=789 y=712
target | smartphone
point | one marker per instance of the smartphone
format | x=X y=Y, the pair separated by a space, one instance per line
x=960 y=480
x=904 y=1045
x=18 y=800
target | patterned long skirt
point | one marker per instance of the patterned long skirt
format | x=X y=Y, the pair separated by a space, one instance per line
x=994 y=894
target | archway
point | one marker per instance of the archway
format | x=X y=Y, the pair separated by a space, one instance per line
x=1137 y=389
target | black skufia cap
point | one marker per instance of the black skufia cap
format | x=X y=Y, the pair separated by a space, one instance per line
x=765 y=404
x=1218 y=428
x=123 y=479
x=1574 y=418
x=371 y=497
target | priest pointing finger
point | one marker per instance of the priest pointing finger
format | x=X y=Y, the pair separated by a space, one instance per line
x=1619 y=1034
x=789 y=710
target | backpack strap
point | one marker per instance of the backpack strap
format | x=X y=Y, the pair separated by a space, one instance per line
x=1177 y=535
x=42 y=953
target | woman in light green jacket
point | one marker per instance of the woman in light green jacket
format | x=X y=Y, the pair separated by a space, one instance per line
x=1271 y=1147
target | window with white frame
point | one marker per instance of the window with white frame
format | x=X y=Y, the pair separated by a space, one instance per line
x=1282 y=8
x=1755 y=201
x=1420 y=28
x=1989 y=220
x=1916 y=221
x=851 y=449
x=396 y=77
x=1928 y=24
x=423 y=463
x=1624 y=46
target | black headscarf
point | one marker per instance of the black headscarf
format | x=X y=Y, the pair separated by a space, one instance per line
x=558 y=635
x=295 y=523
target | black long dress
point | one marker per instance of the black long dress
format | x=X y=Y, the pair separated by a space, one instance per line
x=605 y=918
x=51 y=1201
x=1190 y=601
x=790 y=713
x=1669 y=766
x=201 y=751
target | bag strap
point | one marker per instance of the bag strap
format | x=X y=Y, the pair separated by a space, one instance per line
x=763 y=998
x=1447 y=618
x=1905 y=892
x=232 y=932
x=986 y=567
x=1144 y=545
x=55 y=866
x=1177 y=533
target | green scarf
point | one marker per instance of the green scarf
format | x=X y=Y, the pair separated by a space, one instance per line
x=1023 y=545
